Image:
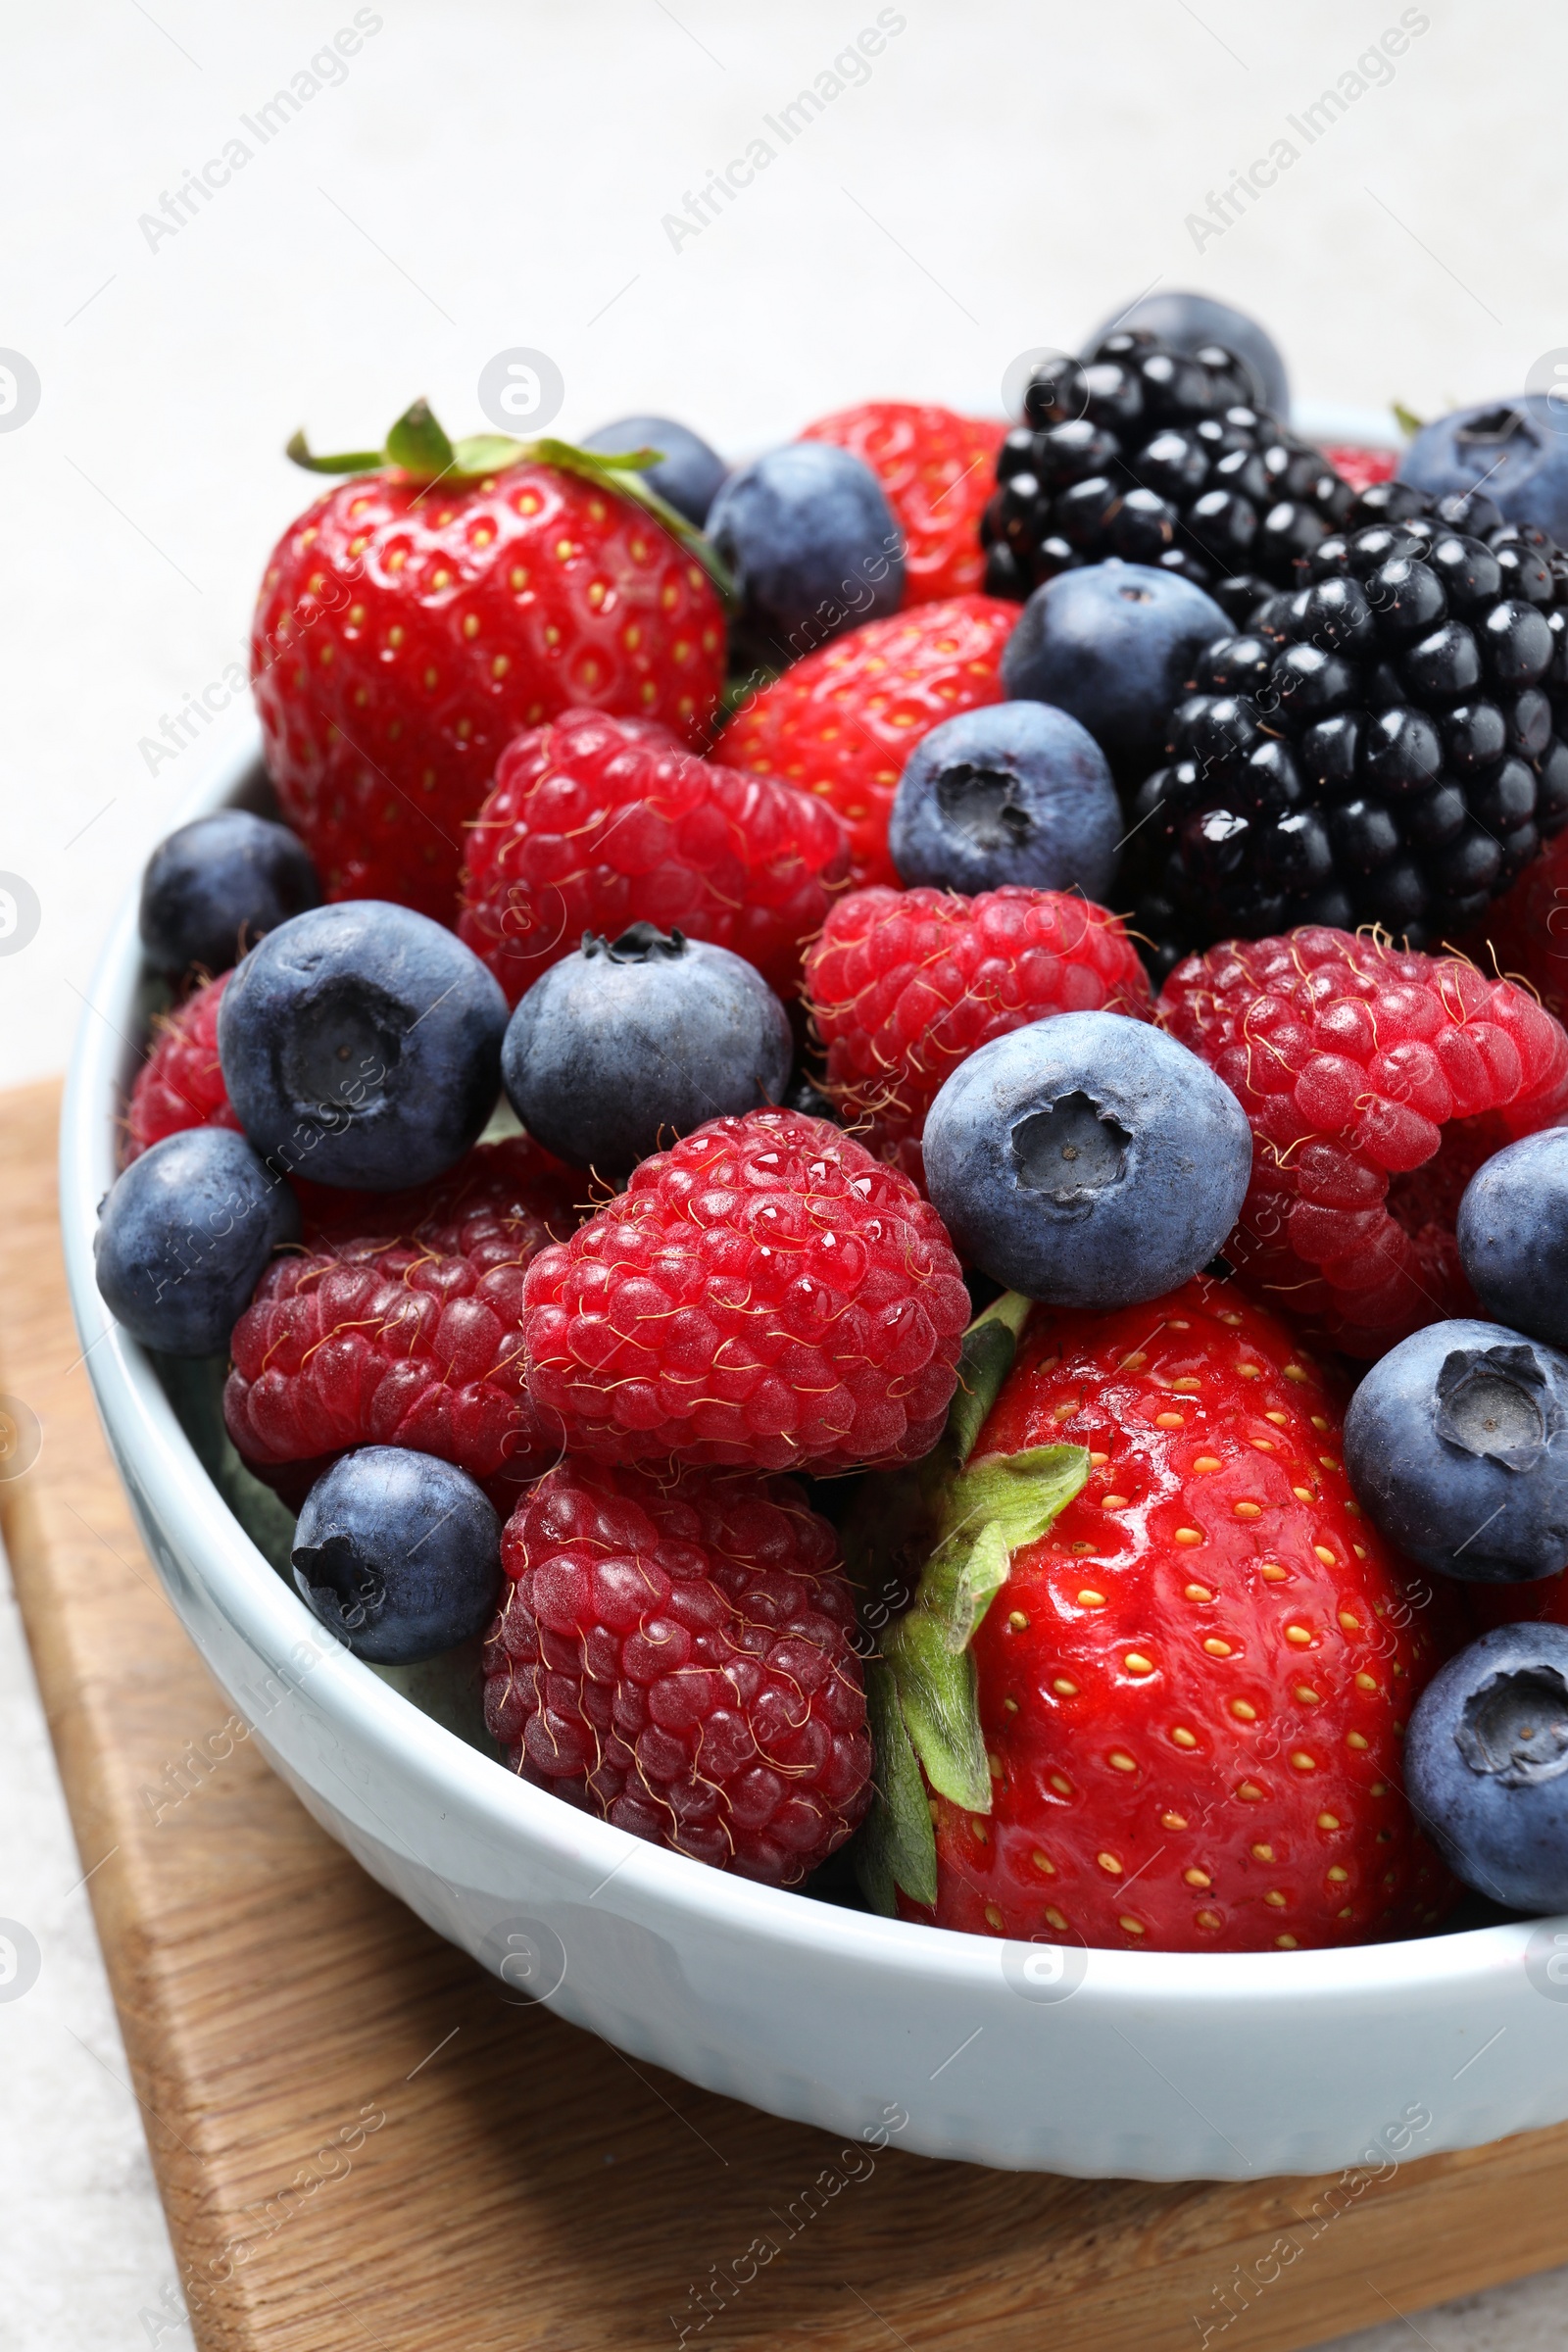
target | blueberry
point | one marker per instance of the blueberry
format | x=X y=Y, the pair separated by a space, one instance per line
x=688 y=473
x=1457 y=1444
x=213 y=887
x=1112 y=645
x=1087 y=1160
x=1014 y=792
x=398 y=1555
x=360 y=1045
x=812 y=543
x=1512 y=1232
x=1192 y=321
x=184 y=1235
x=1516 y=446
x=1485 y=1765
x=617 y=1050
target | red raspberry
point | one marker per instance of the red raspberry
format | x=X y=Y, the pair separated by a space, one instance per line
x=1192 y=1687
x=596 y=823
x=408 y=1334
x=676 y=1656
x=843 y=721
x=938 y=469
x=764 y=1292
x=180 y=1084
x=1376 y=1082
x=904 y=985
x=1526 y=933
x=405 y=629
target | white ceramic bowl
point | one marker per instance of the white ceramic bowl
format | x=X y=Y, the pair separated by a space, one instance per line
x=1159 y=2066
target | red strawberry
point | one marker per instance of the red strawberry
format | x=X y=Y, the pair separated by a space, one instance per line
x=904 y=985
x=417 y=616
x=675 y=1655
x=180 y=1084
x=1177 y=1723
x=843 y=721
x=596 y=823
x=1376 y=1082
x=763 y=1294
x=1361 y=468
x=938 y=470
x=408 y=1332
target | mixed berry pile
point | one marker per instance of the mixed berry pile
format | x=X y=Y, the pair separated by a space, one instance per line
x=885 y=1138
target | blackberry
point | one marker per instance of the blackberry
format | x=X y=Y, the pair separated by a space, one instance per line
x=1383 y=743
x=1157 y=456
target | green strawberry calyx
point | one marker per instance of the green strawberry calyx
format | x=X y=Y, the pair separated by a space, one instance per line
x=967 y=1515
x=418 y=447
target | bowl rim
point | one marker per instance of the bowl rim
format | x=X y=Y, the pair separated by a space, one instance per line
x=269 y=1619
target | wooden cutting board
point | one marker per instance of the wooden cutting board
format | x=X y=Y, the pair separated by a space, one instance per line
x=361 y=2141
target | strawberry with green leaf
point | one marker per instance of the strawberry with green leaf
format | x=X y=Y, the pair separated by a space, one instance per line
x=439 y=601
x=1151 y=1689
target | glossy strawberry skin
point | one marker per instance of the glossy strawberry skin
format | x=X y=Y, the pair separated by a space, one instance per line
x=843 y=721
x=1193 y=1689
x=403 y=635
x=1361 y=468
x=938 y=469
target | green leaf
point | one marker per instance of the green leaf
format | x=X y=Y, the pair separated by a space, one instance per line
x=610 y=471
x=947 y=1529
x=980 y=1579
x=939 y=1700
x=989 y=1347
x=485 y=453
x=354 y=461
x=1017 y=1493
x=897 y=1515
x=635 y=461
x=1405 y=418
x=992 y=1509
x=419 y=445
x=896 y=1847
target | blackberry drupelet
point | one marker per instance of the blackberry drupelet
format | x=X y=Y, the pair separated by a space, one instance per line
x=1382 y=744
x=1157 y=456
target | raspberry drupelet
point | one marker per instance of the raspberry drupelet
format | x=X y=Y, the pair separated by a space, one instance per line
x=904 y=985
x=1376 y=1080
x=765 y=1294
x=675 y=1655
x=596 y=823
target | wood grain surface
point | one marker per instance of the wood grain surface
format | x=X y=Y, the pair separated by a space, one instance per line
x=363 y=2141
